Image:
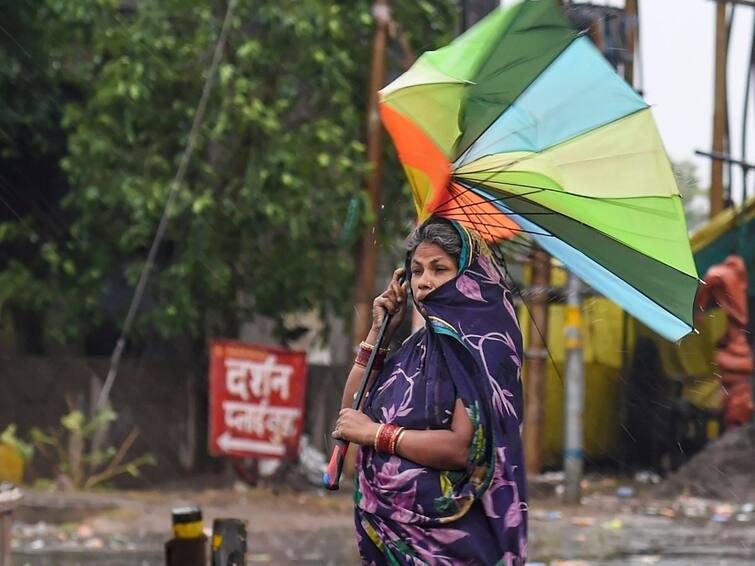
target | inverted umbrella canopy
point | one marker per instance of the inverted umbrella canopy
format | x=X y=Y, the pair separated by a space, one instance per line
x=521 y=125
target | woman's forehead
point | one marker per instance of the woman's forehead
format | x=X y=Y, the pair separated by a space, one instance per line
x=427 y=252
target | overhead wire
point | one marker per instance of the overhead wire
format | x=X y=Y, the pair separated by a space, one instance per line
x=162 y=226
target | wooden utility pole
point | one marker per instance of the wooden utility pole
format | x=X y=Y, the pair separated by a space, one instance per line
x=719 y=112
x=536 y=356
x=368 y=255
x=630 y=16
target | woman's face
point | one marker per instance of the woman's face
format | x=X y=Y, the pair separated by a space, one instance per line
x=431 y=267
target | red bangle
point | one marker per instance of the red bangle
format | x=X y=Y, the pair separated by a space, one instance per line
x=379 y=439
x=386 y=438
x=371 y=347
x=363 y=356
x=377 y=436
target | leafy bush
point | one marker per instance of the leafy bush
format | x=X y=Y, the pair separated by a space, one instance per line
x=77 y=465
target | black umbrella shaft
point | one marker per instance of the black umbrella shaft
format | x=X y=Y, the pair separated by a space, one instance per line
x=332 y=475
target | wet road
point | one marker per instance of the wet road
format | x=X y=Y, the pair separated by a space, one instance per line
x=315 y=529
x=152 y=560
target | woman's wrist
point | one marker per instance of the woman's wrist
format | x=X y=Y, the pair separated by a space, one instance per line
x=370 y=434
x=372 y=335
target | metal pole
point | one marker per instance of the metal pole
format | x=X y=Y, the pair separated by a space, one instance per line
x=719 y=112
x=575 y=391
x=228 y=542
x=188 y=547
x=725 y=158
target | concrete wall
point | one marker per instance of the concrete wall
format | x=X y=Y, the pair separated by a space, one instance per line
x=166 y=401
x=154 y=397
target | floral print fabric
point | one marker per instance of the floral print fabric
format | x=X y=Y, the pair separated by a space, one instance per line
x=471 y=350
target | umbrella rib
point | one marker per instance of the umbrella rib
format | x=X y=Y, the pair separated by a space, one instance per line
x=550 y=189
x=632 y=285
x=501 y=199
x=561 y=191
x=530 y=214
x=462 y=211
x=489 y=233
x=490 y=179
x=615 y=202
x=463 y=182
x=461 y=196
x=602 y=233
x=487 y=224
x=610 y=237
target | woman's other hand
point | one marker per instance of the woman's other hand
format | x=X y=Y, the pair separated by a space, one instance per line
x=392 y=301
x=354 y=426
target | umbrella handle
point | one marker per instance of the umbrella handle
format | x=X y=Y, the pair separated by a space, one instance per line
x=332 y=475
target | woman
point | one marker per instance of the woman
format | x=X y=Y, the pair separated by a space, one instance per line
x=440 y=473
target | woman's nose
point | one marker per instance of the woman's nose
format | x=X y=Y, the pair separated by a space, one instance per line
x=423 y=283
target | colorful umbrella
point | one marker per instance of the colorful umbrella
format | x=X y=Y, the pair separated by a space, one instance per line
x=521 y=126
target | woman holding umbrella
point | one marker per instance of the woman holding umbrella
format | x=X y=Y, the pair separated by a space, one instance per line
x=518 y=127
x=440 y=474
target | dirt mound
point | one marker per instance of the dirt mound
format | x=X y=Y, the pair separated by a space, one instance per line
x=725 y=469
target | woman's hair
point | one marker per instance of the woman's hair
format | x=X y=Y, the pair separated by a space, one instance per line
x=436 y=231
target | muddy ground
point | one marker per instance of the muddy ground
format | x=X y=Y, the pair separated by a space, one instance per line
x=725 y=469
x=619 y=522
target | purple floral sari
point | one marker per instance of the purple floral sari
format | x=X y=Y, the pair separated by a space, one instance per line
x=471 y=349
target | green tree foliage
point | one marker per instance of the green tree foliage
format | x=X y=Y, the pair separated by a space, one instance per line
x=259 y=225
x=34 y=91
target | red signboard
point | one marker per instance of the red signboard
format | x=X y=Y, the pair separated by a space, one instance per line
x=256 y=400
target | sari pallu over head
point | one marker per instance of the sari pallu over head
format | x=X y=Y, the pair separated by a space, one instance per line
x=471 y=349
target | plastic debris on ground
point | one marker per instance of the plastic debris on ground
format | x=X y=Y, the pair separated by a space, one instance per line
x=646 y=476
x=583 y=521
x=625 y=491
x=613 y=525
x=312 y=461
